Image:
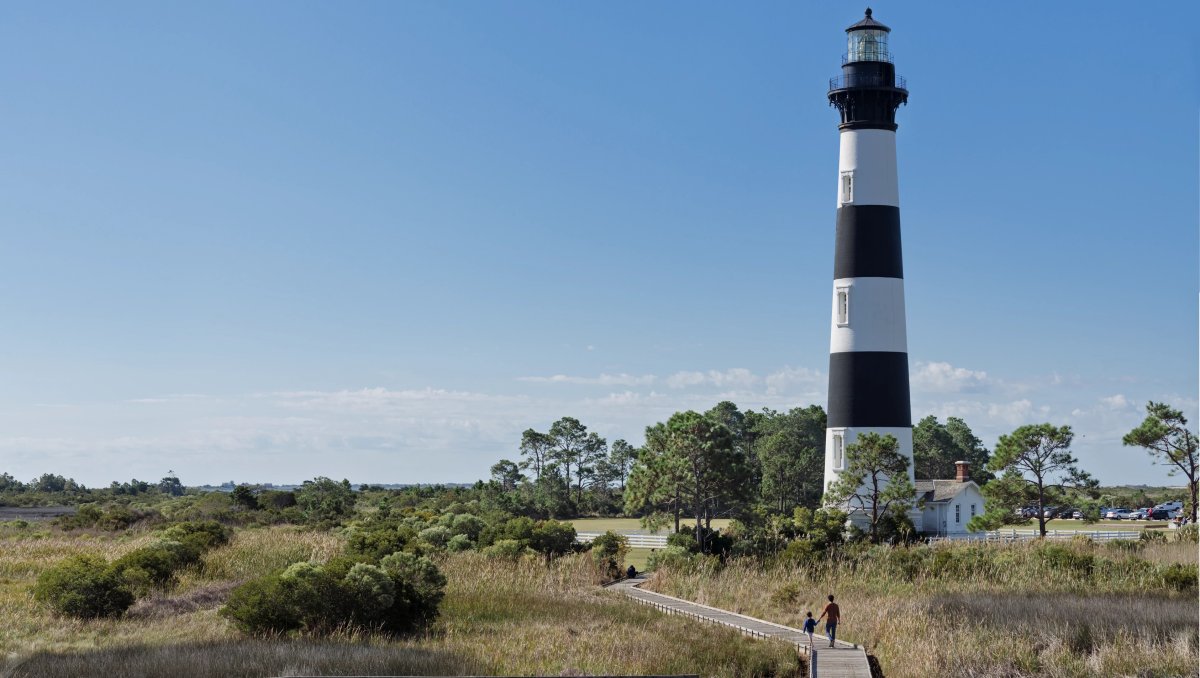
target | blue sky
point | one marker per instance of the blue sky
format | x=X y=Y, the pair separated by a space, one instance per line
x=270 y=241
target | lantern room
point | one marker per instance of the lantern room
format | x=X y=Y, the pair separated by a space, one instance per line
x=867 y=40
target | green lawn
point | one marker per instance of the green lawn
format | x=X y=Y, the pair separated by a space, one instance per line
x=631 y=525
x=637 y=558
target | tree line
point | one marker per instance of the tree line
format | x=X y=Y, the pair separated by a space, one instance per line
x=749 y=465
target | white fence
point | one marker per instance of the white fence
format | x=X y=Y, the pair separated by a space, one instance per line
x=641 y=541
x=1018 y=535
x=654 y=541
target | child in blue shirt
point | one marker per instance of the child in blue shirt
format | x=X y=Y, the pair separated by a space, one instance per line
x=810 y=625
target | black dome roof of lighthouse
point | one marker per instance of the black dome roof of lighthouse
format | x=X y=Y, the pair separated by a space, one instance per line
x=868 y=23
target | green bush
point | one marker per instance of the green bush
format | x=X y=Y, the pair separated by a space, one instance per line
x=609 y=551
x=468 y=525
x=154 y=566
x=371 y=591
x=459 y=542
x=1180 y=577
x=377 y=539
x=507 y=549
x=400 y=594
x=419 y=590
x=83 y=586
x=435 y=536
x=200 y=535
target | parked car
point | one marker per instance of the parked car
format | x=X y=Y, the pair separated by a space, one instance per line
x=1050 y=512
x=1077 y=514
x=1159 y=514
x=1118 y=514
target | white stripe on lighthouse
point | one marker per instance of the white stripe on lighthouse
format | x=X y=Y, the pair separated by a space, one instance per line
x=875 y=316
x=870 y=155
x=903 y=435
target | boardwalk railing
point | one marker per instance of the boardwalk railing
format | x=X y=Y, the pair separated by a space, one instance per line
x=641 y=541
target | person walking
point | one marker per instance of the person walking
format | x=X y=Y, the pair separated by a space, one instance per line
x=810 y=625
x=832 y=614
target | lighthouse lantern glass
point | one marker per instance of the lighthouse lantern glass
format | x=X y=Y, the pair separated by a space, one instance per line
x=867 y=45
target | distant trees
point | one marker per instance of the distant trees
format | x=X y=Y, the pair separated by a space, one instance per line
x=1037 y=466
x=691 y=462
x=937 y=446
x=874 y=482
x=1165 y=435
x=325 y=501
x=790 y=451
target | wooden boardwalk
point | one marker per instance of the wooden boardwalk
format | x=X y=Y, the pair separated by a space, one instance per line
x=846 y=660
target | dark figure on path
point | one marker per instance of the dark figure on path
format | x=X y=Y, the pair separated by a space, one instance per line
x=832 y=614
x=631 y=572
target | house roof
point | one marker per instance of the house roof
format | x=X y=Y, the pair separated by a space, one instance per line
x=940 y=490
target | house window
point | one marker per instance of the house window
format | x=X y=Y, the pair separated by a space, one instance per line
x=839 y=450
x=843 y=306
x=847 y=187
x=972 y=510
x=957 y=514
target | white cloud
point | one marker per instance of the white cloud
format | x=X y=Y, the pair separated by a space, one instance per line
x=736 y=377
x=940 y=377
x=1014 y=413
x=602 y=380
x=1115 y=402
x=784 y=380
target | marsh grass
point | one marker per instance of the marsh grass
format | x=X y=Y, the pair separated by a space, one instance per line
x=1016 y=610
x=498 y=617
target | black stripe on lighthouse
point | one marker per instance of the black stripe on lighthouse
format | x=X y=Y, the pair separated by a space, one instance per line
x=868 y=389
x=867 y=244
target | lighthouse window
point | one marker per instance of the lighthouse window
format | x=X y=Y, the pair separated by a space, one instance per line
x=843 y=306
x=847 y=187
x=839 y=451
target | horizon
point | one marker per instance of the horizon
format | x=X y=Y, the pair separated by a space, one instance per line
x=385 y=242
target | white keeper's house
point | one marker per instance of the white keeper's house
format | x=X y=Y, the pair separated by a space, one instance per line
x=948 y=505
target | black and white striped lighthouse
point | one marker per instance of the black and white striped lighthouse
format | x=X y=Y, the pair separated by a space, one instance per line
x=868 y=349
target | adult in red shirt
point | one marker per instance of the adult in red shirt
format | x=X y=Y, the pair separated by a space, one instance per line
x=832 y=615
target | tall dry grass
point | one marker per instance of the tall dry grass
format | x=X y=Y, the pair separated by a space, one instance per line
x=498 y=617
x=1014 y=610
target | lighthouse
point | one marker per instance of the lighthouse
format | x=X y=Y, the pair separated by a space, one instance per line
x=868 y=349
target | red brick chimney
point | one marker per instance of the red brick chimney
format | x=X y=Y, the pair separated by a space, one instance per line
x=960 y=472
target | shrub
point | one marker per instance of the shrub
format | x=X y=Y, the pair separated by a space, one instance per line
x=1153 y=536
x=460 y=542
x=435 y=536
x=259 y=606
x=378 y=539
x=684 y=541
x=672 y=557
x=468 y=525
x=371 y=591
x=154 y=566
x=324 y=501
x=801 y=552
x=1180 y=577
x=419 y=589
x=400 y=594
x=609 y=551
x=200 y=535
x=83 y=586
x=506 y=549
